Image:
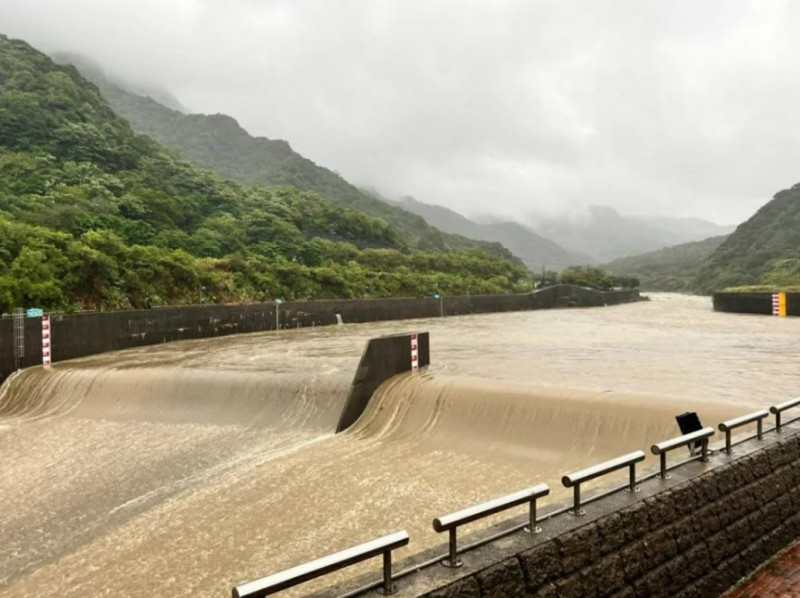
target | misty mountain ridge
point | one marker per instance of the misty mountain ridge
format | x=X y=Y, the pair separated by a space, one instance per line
x=605 y=234
x=218 y=143
x=97 y=74
x=534 y=250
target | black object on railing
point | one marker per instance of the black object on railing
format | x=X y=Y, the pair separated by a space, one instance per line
x=451 y=522
x=333 y=562
x=738 y=422
x=780 y=408
x=662 y=448
x=584 y=475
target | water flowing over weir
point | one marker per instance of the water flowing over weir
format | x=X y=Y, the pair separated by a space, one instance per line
x=187 y=468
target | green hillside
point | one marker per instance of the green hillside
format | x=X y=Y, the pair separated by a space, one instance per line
x=668 y=269
x=764 y=250
x=218 y=143
x=93 y=215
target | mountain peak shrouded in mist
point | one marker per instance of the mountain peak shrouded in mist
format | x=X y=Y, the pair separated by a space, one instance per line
x=605 y=234
x=219 y=143
x=92 y=70
x=677 y=108
x=535 y=251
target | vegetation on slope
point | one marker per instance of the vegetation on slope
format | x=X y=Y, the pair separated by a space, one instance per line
x=218 y=143
x=668 y=269
x=596 y=278
x=764 y=250
x=93 y=215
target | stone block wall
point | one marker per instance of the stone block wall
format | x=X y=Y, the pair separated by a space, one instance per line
x=695 y=539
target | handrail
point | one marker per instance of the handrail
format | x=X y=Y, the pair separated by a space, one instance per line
x=584 y=475
x=452 y=521
x=732 y=424
x=333 y=562
x=662 y=448
x=780 y=408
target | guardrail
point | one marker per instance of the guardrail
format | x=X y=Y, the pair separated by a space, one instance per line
x=662 y=448
x=339 y=560
x=732 y=424
x=780 y=408
x=452 y=521
x=574 y=480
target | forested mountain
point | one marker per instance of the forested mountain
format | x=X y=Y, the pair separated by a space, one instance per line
x=669 y=269
x=93 y=215
x=534 y=250
x=764 y=250
x=607 y=235
x=216 y=142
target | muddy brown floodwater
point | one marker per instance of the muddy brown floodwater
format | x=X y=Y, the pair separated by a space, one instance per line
x=184 y=469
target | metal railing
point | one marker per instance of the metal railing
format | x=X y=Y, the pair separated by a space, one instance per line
x=333 y=562
x=452 y=521
x=732 y=424
x=575 y=479
x=662 y=448
x=780 y=408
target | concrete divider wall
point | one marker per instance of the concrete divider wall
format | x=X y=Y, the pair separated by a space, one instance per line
x=694 y=536
x=78 y=335
x=754 y=303
x=383 y=357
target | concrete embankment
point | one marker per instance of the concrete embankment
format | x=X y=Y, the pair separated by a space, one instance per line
x=778 y=304
x=79 y=335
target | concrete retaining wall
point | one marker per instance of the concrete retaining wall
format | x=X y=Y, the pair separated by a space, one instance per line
x=78 y=335
x=754 y=303
x=694 y=536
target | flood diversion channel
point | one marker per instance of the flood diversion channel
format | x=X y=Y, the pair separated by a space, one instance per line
x=184 y=469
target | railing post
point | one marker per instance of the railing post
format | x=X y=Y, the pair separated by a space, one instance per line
x=532 y=527
x=778 y=421
x=728 y=439
x=452 y=561
x=388 y=587
x=664 y=475
x=576 y=504
x=704 y=457
x=632 y=481
x=760 y=430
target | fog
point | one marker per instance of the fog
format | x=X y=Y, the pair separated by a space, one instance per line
x=682 y=108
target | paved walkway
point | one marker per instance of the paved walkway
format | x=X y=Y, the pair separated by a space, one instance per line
x=780 y=578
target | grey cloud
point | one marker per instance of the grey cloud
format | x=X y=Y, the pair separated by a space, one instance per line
x=685 y=107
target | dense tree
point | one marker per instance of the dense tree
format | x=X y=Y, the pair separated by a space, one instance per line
x=596 y=278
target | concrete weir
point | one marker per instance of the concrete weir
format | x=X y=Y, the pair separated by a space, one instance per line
x=193 y=467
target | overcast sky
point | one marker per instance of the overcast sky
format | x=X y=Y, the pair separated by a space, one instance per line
x=683 y=107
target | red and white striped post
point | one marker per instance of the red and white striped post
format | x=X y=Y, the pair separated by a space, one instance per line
x=414 y=353
x=46 y=341
x=776 y=304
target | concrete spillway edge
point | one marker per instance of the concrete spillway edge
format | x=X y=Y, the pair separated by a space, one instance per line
x=383 y=357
